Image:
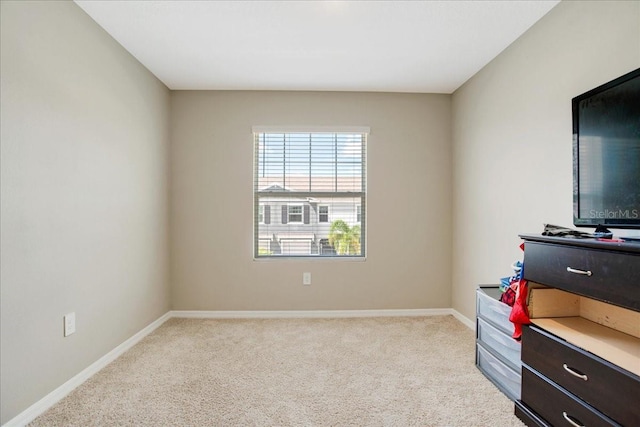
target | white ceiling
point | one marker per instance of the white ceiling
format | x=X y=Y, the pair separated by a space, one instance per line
x=381 y=46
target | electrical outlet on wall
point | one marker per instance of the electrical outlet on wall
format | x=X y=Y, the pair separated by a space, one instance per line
x=69 y=324
x=306 y=278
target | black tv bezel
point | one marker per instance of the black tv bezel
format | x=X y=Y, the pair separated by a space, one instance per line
x=632 y=223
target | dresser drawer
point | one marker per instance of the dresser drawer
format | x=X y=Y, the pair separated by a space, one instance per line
x=607 y=276
x=528 y=417
x=490 y=308
x=555 y=405
x=607 y=387
x=505 y=378
x=500 y=343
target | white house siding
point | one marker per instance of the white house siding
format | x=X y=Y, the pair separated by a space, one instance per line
x=300 y=238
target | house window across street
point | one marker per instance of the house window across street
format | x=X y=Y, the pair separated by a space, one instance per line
x=309 y=189
x=323 y=213
x=295 y=214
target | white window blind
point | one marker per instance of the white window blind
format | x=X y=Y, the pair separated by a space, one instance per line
x=301 y=177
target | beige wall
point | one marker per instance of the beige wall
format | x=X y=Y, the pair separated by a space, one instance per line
x=409 y=197
x=84 y=144
x=512 y=134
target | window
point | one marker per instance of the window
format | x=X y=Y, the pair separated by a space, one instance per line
x=308 y=191
x=295 y=214
x=323 y=213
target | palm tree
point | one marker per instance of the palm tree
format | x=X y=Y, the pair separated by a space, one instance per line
x=344 y=239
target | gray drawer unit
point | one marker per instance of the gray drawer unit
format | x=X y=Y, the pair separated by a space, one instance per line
x=505 y=378
x=501 y=344
x=489 y=308
x=497 y=353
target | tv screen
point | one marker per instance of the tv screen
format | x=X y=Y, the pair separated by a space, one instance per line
x=606 y=154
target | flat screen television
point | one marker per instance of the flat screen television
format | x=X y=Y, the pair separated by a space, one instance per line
x=606 y=154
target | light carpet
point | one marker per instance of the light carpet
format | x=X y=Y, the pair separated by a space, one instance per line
x=413 y=371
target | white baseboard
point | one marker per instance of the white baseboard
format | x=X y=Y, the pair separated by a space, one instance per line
x=52 y=398
x=322 y=314
x=38 y=408
x=309 y=314
x=464 y=319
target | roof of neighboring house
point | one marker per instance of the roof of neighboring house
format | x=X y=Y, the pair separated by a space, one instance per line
x=275 y=187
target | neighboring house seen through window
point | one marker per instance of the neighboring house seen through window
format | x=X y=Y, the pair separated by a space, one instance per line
x=323 y=213
x=308 y=191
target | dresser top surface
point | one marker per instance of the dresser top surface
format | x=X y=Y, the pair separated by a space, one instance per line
x=592 y=243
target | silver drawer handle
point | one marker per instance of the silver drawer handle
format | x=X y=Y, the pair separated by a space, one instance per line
x=574 y=373
x=573 y=423
x=583 y=272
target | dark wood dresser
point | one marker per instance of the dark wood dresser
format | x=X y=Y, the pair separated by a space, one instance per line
x=581 y=358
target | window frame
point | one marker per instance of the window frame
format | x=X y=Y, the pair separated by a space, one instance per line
x=295 y=205
x=328 y=214
x=272 y=190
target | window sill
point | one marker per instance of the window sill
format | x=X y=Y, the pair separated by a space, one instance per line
x=314 y=258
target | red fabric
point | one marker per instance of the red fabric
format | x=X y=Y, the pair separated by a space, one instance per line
x=508 y=297
x=519 y=313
